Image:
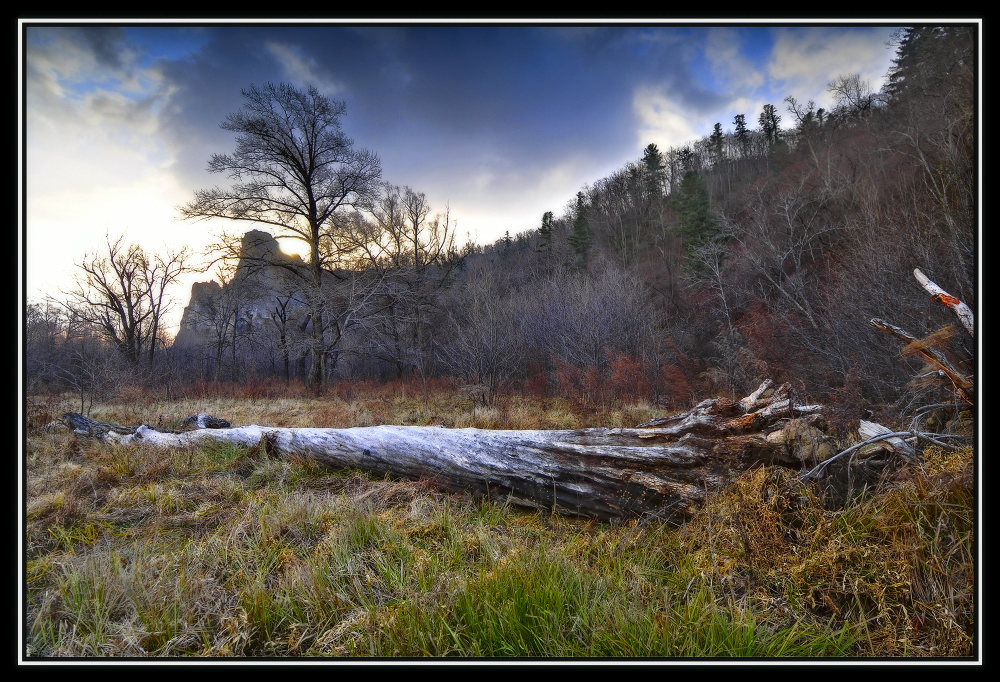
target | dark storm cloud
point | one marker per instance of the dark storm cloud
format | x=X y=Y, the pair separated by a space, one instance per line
x=659 y=56
x=428 y=97
x=76 y=48
x=204 y=88
x=108 y=45
x=206 y=84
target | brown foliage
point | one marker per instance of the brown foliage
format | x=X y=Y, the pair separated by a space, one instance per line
x=676 y=388
x=569 y=379
x=682 y=380
x=845 y=404
x=766 y=339
x=627 y=377
x=536 y=383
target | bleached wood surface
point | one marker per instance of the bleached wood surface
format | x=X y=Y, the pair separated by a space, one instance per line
x=667 y=464
x=960 y=309
x=868 y=430
x=591 y=472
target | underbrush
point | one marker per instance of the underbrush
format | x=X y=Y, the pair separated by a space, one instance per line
x=896 y=565
x=221 y=551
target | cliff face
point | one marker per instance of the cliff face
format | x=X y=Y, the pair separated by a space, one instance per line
x=194 y=322
x=263 y=276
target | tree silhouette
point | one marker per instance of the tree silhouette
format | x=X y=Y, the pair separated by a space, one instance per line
x=295 y=170
x=769 y=121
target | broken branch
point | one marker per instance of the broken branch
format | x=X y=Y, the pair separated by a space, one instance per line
x=960 y=309
x=961 y=383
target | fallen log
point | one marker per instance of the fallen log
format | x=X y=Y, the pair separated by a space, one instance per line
x=86 y=426
x=667 y=463
x=114 y=432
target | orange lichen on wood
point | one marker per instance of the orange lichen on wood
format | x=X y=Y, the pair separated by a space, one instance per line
x=742 y=423
x=947 y=300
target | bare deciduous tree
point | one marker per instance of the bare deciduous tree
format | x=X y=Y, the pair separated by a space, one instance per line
x=411 y=256
x=121 y=291
x=852 y=95
x=293 y=169
x=483 y=344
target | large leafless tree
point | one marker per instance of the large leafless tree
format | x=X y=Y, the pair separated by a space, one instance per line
x=293 y=169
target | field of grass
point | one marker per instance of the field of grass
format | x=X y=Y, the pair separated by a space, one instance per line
x=220 y=551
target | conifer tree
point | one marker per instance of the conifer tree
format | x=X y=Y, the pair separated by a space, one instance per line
x=906 y=71
x=506 y=241
x=929 y=59
x=580 y=237
x=769 y=121
x=687 y=159
x=654 y=167
x=690 y=204
x=715 y=143
x=742 y=134
x=545 y=233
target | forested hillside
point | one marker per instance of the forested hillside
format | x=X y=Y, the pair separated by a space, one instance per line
x=755 y=251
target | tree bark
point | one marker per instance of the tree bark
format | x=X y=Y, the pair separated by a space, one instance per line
x=114 y=432
x=665 y=466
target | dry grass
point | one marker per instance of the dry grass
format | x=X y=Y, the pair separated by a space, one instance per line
x=220 y=551
x=896 y=565
x=393 y=404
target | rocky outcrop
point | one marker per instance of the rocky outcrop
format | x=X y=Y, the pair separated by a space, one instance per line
x=195 y=326
x=263 y=275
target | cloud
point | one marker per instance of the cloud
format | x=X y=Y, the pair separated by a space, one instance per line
x=562 y=180
x=108 y=46
x=499 y=195
x=301 y=69
x=90 y=84
x=77 y=57
x=97 y=162
x=662 y=119
x=795 y=61
x=73 y=52
x=723 y=50
x=805 y=60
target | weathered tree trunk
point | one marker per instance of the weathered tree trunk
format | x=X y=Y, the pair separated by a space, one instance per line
x=665 y=466
x=114 y=432
x=963 y=311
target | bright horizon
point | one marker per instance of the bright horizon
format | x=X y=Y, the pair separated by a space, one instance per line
x=500 y=123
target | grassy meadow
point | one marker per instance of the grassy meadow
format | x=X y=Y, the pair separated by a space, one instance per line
x=221 y=551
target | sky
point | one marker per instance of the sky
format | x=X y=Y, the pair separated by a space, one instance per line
x=498 y=123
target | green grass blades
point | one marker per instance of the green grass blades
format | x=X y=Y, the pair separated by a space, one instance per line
x=221 y=551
